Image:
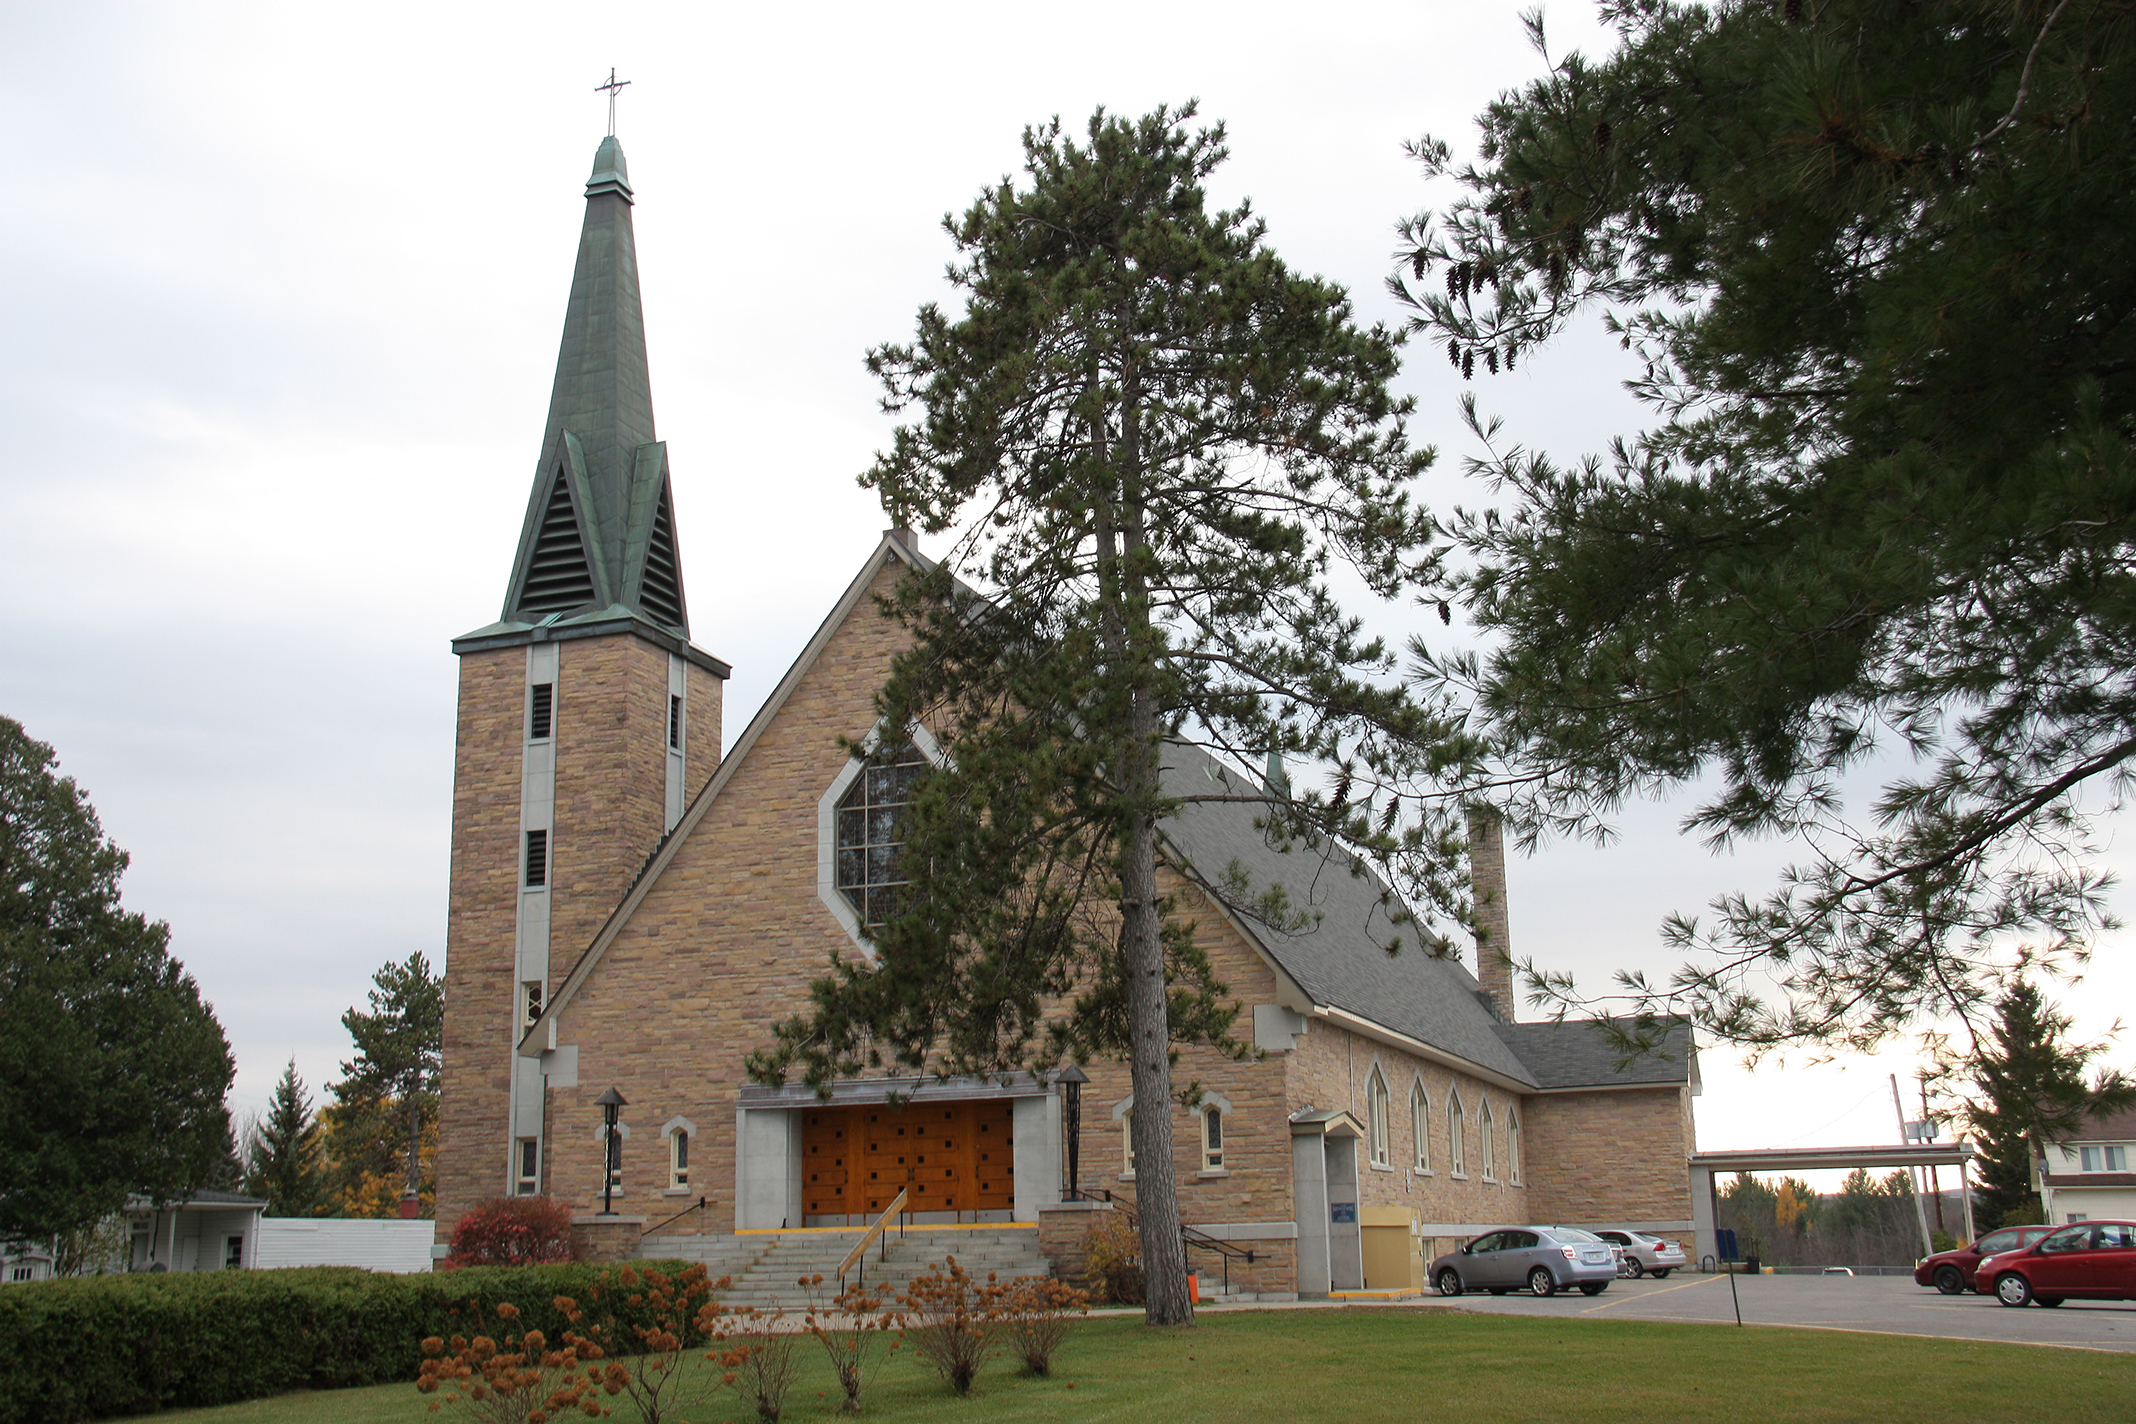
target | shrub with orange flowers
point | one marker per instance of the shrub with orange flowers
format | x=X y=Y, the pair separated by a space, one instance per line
x=512 y=1376
x=754 y=1355
x=643 y=1321
x=853 y=1328
x=1036 y=1312
x=953 y=1321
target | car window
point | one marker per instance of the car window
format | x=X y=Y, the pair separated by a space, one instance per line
x=2029 y=1234
x=1996 y=1241
x=1494 y=1241
x=1573 y=1233
x=1621 y=1238
x=2113 y=1236
x=2069 y=1238
x=1519 y=1240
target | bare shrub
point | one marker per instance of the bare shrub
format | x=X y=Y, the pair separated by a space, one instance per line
x=953 y=1321
x=1036 y=1312
x=754 y=1356
x=854 y=1330
x=1113 y=1268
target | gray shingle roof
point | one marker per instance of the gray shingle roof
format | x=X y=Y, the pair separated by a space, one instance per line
x=1342 y=959
x=1574 y=1054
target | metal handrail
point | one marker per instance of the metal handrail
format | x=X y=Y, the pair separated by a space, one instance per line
x=697 y=1205
x=1188 y=1236
x=860 y=1250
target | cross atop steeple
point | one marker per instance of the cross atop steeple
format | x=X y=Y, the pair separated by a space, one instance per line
x=613 y=87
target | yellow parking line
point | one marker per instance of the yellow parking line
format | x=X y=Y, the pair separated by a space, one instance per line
x=1649 y=1295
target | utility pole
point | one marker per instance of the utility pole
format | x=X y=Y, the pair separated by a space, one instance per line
x=1898 y=1105
x=1935 y=1188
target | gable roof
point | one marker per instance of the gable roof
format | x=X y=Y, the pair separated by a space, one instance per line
x=1341 y=960
x=893 y=546
x=1574 y=1053
x=2117 y=1127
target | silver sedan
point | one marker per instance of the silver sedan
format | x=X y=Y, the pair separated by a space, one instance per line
x=1539 y=1259
x=1647 y=1254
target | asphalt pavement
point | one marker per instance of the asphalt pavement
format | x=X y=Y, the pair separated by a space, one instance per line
x=1885 y=1304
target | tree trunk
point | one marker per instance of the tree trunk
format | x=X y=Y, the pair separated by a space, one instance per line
x=415 y=1146
x=1149 y=1035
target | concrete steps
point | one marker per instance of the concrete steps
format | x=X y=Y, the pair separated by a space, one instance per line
x=767 y=1267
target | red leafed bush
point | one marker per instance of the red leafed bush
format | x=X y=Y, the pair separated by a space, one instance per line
x=512 y=1231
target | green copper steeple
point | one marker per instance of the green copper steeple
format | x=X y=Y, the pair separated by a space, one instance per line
x=598 y=544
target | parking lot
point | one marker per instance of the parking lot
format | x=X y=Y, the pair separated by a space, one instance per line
x=1888 y=1304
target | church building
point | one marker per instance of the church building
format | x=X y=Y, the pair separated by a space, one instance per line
x=632 y=912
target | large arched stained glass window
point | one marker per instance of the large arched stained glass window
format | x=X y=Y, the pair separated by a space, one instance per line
x=870 y=831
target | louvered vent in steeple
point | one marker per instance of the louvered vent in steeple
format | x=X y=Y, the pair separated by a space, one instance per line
x=558 y=576
x=660 y=593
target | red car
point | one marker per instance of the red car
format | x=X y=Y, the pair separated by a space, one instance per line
x=2086 y=1260
x=1951 y=1271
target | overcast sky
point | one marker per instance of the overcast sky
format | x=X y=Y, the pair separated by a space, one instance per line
x=283 y=289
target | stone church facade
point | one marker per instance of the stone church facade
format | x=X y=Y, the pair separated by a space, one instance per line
x=632 y=911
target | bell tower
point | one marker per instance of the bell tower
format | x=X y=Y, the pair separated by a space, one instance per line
x=587 y=718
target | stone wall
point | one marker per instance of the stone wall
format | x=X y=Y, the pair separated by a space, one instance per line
x=479 y=926
x=1621 y=1155
x=1332 y=1069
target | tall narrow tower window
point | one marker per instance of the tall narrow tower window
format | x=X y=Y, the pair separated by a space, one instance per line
x=870 y=831
x=558 y=576
x=675 y=722
x=537 y=859
x=541 y=705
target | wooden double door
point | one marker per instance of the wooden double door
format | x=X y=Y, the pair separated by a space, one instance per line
x=953 y=1159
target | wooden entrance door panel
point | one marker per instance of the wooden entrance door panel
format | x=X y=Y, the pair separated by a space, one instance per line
x=947 y=1157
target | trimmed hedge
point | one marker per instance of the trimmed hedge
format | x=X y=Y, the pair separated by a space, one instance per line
x=111 y=1345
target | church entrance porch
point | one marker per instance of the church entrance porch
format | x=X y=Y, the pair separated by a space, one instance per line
x=965 y=1152
x=956 y=1162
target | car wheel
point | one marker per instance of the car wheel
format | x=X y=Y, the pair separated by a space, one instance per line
x=1949 y=1280
x=1634 y=1267
x=2013 y=1289
x=1541 y=1282
x=1663 y=1273
x=1593 y=1287
x=2050 y=1301
x=1449 y=1282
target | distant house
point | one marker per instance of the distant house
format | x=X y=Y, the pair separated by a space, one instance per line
x=207 y=1231
x=2093 y=1176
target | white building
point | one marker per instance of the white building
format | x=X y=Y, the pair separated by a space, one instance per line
x=2093 y=1177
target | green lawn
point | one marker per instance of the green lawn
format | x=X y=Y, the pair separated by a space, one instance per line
x=1362 y=1365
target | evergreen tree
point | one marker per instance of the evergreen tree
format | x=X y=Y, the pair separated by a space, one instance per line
x=2027 y=1089
x=386 y=1105
x=112 y=1070
x=1875 y=260
x=1153 y=438
x=282 y=1161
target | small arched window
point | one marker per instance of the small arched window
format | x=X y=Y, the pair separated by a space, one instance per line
x=1456 y=1135
x=1489 y=1126
x=1212 y=1126
x=1513 y=1144
x=1420 y=1127
x=1376 y=1117
x=678 y=1159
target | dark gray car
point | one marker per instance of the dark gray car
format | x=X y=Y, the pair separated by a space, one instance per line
x=1540 y=1259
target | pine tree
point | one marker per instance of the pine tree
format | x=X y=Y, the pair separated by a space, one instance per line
x=1873 y=259
x=2026 y=1090
x=282 y=1160
x=112 y=1070
x=386 y=1103
x=1154 y=438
